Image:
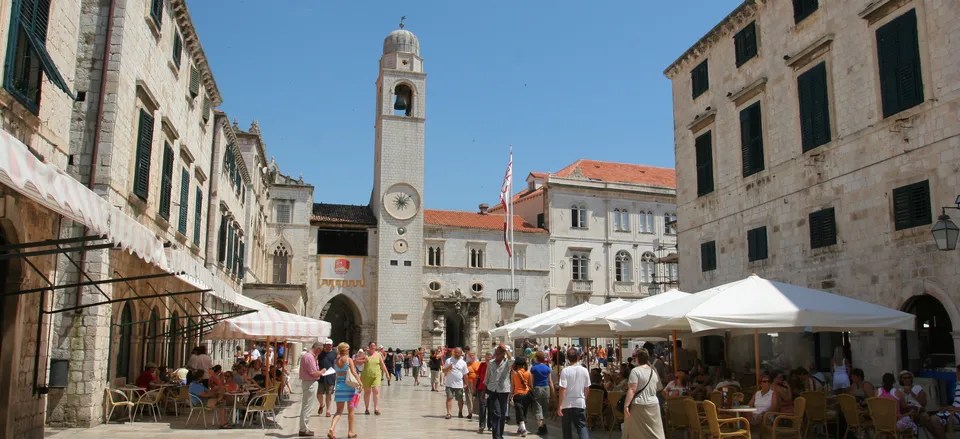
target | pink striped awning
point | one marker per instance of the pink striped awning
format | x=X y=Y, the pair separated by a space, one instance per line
x=269 y=322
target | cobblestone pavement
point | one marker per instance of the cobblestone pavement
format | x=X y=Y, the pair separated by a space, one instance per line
x=408 y=412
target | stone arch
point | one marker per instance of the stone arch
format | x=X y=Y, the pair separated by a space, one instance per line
x=345 y=319
x=920 y=295
x=358 y=303
x=279 y=302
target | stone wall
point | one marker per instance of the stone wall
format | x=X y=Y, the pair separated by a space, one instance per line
x=855 y=173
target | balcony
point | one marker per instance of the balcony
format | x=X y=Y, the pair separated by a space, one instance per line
x=581 y=286
x=623 y=287
x=508 y=295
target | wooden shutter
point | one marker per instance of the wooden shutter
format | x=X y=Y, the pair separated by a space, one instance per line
x=803 y=8
x=194 y=81
x=700 y=79
x=704 y=153
x=222 y=240
x=229 y=247
x=206 y=108
x=240 y=270
x=708 y=256
x=166 y=181
x=757 y=244
x=177 y=48
x=196 y=216
x=814 y=107
x=751 y=140
x=184 y=200
x=898 y=54
x=141 y=175
x=823 y=228
x=236 y=252
x=745 y=43
x=911 y=205
x=156 y=11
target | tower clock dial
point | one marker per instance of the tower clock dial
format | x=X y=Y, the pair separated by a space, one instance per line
x=401 y=201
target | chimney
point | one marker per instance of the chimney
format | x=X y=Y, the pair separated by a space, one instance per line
x=483 y=208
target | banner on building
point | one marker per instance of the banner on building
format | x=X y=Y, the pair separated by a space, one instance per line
x=341 y=271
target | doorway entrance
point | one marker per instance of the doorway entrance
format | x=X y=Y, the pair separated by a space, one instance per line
x=454 y=330
x=341 y=314
x=931 y=344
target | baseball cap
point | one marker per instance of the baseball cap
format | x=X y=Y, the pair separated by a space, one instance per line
x=328 y=342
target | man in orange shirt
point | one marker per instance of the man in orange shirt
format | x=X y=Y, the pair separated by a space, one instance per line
x=602 y=357
x=470 y=386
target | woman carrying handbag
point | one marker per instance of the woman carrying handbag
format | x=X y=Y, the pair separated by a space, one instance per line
x=347 y=389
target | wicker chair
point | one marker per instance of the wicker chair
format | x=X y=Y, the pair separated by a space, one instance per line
x=716 y=397
x=883 y=411
x=618 y=418
x=785 y=423
x=714 y=422
x=818 y=413
x=857 y=421
x=694 y=420
x=677 y=419
x=595 y=408
x=197 y=405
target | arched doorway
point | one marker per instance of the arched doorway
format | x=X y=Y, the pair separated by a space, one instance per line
x=931 y=344
x=123 y=347
x=172 y=341
x=150 y=338
x=454 y=330
x=344 y=321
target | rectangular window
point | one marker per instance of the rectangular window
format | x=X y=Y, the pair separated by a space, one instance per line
x=757 y=244
x=184 y=200
x=802 y=9
x=27 y=55
x=519 y=259
x=194 y=81
x=196 y=216
x=700 y=78
x=229 y=247
x=141 y=175
x=240 y=270
x=704 y=147
x=166 y=181
x=156 y=11
x=541 y=222
x=911 y=205
x=751 y=139
x=814 y=107
x=284 y=212
x=898 y=53
x=407 y=263
x=222 y=240
x=394 y=262
x=670 y=224
x=745 y=43
x=708 y=256
x=476 y=258
x=579 y=267
x=177 y=49
x=206 y=108
x=823 y=228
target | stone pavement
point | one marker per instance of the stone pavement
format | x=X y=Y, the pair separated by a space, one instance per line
x=408 y=412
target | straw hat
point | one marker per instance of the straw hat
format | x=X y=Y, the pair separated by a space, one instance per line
x=150 y=365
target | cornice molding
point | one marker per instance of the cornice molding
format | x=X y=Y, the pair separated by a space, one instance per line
x=801 y=58
x=729 y=25
x=192 y=42
x=748 y=91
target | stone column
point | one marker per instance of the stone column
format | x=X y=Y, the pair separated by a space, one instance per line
x=956 y=344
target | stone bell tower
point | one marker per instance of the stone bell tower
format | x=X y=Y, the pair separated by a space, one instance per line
x=397 y=198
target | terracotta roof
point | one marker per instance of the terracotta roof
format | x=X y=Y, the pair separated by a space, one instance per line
x=475 y=220
x=538 y=174
x=343 y=214
x=621 y=173
x=519 y=196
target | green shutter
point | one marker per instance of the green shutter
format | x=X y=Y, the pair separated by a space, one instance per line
x=757 y=244
x=196 y=216
x=704 y=153
x=803 y=8
x=911 y=205
x=814 y=107
x=240 y=270
x=141 y=175
x=156 y=11
x=700 y=79
x=229 y=247
x=236 y=252
x=751 y=140
x=823 y=228
x=166 y=181
x=206 y=108
x=177 y=49
x=898 y=55
x=745 y=43
x=708 y=256
x=222 y=240
x=184 y=199
x=194 y=81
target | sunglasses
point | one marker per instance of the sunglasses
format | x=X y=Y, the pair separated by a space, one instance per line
x=765 y=382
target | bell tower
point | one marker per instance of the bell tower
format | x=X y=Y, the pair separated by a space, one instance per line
x=397 y=198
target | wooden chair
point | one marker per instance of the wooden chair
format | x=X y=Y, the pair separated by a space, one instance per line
x=857 y=421
x=116 y=398
x=883 y=412
x=694 y=421
x=677 y=419
x=785 y=423
x=818 y=413
x=716 y=397
x=595 y=407
x=151 y=399
x=618 y=418
x=262 y=405
x=714 y=422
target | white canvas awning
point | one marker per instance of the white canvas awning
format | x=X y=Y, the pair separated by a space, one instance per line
x=755 y=303
x=548 y=326
x=591 y=323
x=269 y=322
x=507 y=330
x=622 y=322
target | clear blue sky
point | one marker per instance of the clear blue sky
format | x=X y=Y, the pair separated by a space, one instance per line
x=559 y=80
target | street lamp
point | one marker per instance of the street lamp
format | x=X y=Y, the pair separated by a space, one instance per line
x=945 y=232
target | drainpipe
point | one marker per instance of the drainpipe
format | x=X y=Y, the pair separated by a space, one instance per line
x=95 y=153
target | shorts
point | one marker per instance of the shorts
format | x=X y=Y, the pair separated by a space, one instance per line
x=455 y=394
x=416 y=371
x=324 y=388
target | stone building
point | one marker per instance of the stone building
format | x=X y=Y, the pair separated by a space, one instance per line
x=612 y=229
x=815 y=144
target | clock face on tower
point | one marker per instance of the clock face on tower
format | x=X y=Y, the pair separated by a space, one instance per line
x=401 y=201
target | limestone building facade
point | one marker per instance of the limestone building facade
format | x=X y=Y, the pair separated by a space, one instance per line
x=816 y=142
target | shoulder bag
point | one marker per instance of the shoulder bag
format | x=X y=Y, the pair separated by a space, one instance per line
x=623 y=399
x=351 y=378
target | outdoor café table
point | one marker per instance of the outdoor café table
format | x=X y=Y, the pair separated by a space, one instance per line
x=739 y=411
x=131 y=389
x=236 y=395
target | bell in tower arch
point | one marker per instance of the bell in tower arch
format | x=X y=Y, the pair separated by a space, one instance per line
x=403 y=105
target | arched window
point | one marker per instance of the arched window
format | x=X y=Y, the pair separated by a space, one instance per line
x=434 y=256
x=579 y=266
x=578 y=216
x=150 y=337
x=674 y=272
x=172 y=340
x=123 y=347
x=280 y=258
x=647 y=267
x=476 y=258
x=403 y=106
x=623 y=269
x=624 y=220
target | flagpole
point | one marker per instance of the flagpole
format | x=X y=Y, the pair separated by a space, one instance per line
x=513 y=249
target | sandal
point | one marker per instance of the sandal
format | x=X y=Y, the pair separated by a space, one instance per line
x=376 y=412
x=328 y=415
x=447 y=417
x=366 y=412
x=351 y=435
x=330 y=435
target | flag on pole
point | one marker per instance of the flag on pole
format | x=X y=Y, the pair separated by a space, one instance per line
x=506 y=200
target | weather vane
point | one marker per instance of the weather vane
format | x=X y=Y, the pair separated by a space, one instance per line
x=401 y=21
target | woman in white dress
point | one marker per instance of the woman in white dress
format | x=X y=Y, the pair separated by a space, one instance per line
x=641 y=410
x=841 y=371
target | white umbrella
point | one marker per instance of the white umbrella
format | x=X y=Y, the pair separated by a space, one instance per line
x=506 y=331
x=548 y=326
x=591 y=323
x=620 y=321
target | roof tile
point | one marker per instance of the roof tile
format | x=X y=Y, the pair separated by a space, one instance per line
x=613 y=172
x=475 y=220
x=343 y=214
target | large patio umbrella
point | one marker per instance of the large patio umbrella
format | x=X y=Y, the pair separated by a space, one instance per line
x=591 y=323
x=506 y=331
x=767 y=306
x=269 y=323
x=548 y=327
x=621 y=321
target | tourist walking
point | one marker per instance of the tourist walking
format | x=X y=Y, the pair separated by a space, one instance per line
x=326 y=384
x=416 y=364
x=343 y=393
x=398 y=362
x=436 y=362
x=470 y=383
x=481 y=392
x=309 y=374
x=455 y=370
x=406 y=363
x=373 y=370
x=642 y=411
x=574 y=385
x=389 y=360
x=522 y=384
x=497 y=383
x=542 y=389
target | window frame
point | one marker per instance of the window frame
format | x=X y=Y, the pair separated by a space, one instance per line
x=909 y=194
x=741 y=46
x=704 y=163
x=803 y=9
x=893 y=105
x=817 y=100
x=751 y=142
x=708 y=256
x=166 y=182
x=289 y=213
x=475 y=258
x=623 y=269
x=578 y=213
x=34 y=61
x=184 y=201
x=580 y=266
x=144 y=151
x=156 y=12
x=757 y=244
x=700 y=76
x=817 y=241
x=648 y=267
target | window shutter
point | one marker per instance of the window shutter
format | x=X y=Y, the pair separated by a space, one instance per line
x=177 y=48
x=184 y=199
x=898 y=54
x=197 y=216
x=222 y=240
x=751 y=245
x=206 y=108
x=194 y=81
x=757 y=244
x=229 y=247
x=700 y=79
x=745 y=43
x=236 y=251
x=911 y=205
x=708 y=256
x=751 y=140
x=823 y=228
x=166 y=181
x=762 y=243
x=240 y=270
x=814 y=107
x=803 y=8
x=704 y=153
x=141 y=175
x=540 y=220
x=156 y=11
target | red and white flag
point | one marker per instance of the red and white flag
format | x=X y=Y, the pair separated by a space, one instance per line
x=505 y=200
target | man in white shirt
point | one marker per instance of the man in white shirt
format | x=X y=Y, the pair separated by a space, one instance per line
x=497 y=384
x=455 y=369
x=254 y=353
x=574 y=385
